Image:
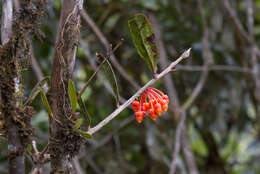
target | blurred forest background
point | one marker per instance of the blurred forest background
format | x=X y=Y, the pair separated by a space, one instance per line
x=218 y=87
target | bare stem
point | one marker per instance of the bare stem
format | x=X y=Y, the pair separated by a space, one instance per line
x=98 y=69
x=138 y=93
x=105 y=43
x=91 y=78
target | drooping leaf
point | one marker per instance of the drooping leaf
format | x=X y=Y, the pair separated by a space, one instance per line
x=78 y=123
x=111 y=77
x=144 y=40
x=29 y=148
x=72 y=95
x=83 y=109
x=46 y=103
x=84 y=134
x=35 y=91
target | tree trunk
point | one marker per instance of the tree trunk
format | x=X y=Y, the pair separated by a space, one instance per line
x=16 y=118
x=64 y=142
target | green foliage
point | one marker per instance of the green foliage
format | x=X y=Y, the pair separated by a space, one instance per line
x=29 y=148
x=78 y=123
x=144 y=40
x=72 y=95
x=111 y=77
x=37 y=88
x=84 y=134
x=84 y=111
x=222 y=124
x=46 y=103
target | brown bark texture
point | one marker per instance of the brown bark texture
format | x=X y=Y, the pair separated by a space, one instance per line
x=64 y=142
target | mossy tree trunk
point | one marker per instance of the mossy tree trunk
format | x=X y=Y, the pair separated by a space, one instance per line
x=64 y=143
x=14 y=55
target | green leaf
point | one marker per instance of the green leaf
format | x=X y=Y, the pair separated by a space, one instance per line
x=144 y=40
x=110 y=75
x=36 y=90
x=84 y=134
x=29 y=148
x=84 y=111
x=46 y=103
x=72 y=95
x=78 y=123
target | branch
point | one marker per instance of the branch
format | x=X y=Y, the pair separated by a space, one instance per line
x=108 y=137
x=186 y=149
x=236 y=22
x=77 y=166
x=177 y=143
x=7 y=17
x=91 y=78
x=35 y=65
x=254 y=52
x=231 y=68
x=101 y=78
x=163 y=62
x=138 y=93
x=101 y=57
x=105 y=43
x=93 y=165
x=208 y=60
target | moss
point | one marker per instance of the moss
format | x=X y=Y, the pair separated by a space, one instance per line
x=12 y=55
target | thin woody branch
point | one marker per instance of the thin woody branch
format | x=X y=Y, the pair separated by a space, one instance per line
x=105 y=43
x=100 y=56
x=138 y=93
x=208 y=60
x=223 y=68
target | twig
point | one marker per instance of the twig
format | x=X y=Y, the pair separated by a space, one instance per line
x=138 y=93
x=169 y=84
x=91 y=78
x=104 y=41
x=253 y=52
x=108 y=137
x=236 y=22
x=186 y=149
x=196 y=90
x=208 y=60
x=231 y=68
x=93 y=64
x=250 y=18
x=177 y=143
x=40 y=157
x=34 y=146
x=98 y=68
x=77 y=166
x=119 y=154
x=163 y=62
x=7 y=17
x=35 y=66
x=93 y=165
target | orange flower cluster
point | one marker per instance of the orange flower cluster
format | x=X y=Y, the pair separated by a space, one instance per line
x=152 y=101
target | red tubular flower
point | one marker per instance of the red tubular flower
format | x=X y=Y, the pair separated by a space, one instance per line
x=152 y=101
